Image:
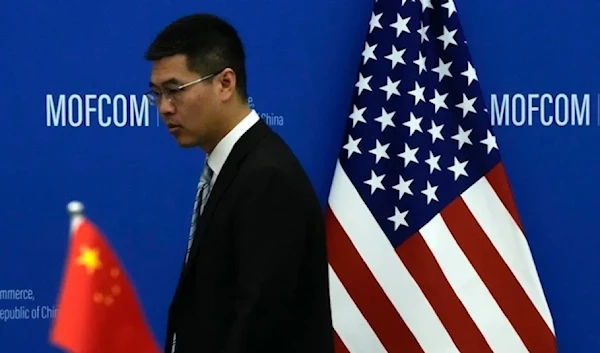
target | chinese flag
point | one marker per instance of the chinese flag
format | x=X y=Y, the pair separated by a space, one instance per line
x=98 y=311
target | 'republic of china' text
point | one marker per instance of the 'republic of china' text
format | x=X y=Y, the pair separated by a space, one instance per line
x=20 y=304
x=271 y=119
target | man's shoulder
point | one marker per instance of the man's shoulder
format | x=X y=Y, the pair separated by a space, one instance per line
x=270 y=151
x=271 y=166
x=271 y=157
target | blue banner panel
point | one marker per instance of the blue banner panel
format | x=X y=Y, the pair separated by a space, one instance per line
x=77 y=126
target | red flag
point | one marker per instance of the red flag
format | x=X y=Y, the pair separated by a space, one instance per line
x=98 y=310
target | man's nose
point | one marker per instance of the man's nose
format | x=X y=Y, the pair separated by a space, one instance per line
x=165 y=106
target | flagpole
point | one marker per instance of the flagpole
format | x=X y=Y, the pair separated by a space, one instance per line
x=75 y=209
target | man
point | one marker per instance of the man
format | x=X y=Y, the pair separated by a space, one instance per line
x=255 y=276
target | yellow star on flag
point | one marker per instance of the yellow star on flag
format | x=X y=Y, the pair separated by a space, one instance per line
x=90 y=258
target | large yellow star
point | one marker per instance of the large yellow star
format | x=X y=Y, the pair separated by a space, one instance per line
x=90 y=258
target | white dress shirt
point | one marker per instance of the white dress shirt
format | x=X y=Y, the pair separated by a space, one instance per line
x=219 y=154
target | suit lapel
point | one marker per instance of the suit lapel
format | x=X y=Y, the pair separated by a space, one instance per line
x=243 y=146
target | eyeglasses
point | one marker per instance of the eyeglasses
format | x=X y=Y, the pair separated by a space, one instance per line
x=154 y=97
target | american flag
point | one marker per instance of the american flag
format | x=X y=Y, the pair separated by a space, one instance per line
x=427 y=252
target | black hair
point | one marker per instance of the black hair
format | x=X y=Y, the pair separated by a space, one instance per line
x=209 y=43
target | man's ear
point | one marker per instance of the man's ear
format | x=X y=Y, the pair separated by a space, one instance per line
x=226 y=81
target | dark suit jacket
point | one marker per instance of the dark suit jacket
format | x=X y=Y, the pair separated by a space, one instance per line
x=257 y=277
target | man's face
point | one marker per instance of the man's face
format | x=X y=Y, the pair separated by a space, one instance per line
x=188 y=113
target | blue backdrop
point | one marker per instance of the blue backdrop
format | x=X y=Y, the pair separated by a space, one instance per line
x=61 y=61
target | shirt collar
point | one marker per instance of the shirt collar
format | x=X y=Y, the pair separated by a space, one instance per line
x=219 y=154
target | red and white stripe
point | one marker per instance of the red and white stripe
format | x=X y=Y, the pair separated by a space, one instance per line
x=466 y=282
